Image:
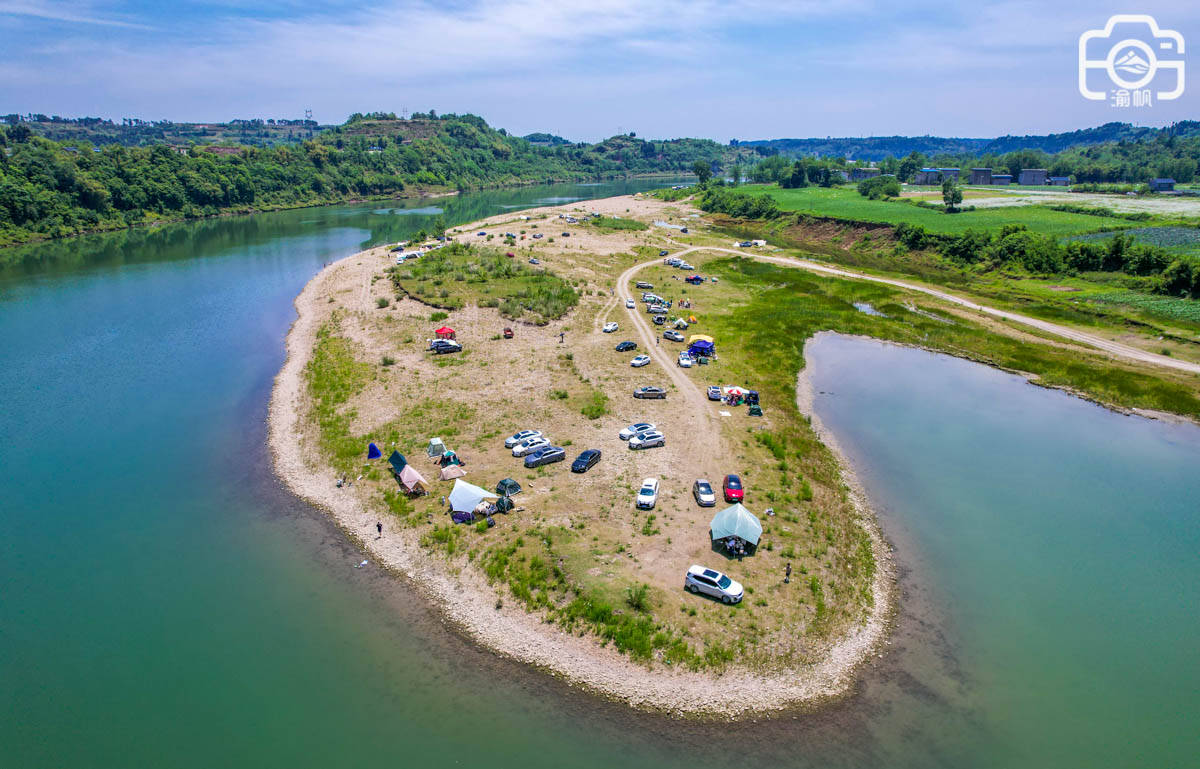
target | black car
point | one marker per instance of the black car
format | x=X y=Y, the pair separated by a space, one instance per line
x=650 y=392
x=585 y=461
x=626 y=346
x=660 y=319
x=545 y=456
x=566 y=234
x=441 y=346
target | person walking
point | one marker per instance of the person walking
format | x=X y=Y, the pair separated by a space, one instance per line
x=378 y=529
x=787 y=573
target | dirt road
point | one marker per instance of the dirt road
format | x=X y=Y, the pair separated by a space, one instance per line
x=1116 y=349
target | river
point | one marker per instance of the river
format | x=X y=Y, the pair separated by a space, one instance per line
x=164 y=602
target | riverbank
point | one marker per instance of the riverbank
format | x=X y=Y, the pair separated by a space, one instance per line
x=484 y=612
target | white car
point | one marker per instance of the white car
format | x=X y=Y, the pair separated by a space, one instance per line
x=703 y=492
x=647 y=440
x=648 y=494
x=529 y=444
x=634 y=429
x=630 y=304
x=610 y=327
x=714 y=583
x=517 y=437
x=639 y=361
x=685 y=360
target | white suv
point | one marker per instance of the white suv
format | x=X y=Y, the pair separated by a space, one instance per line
x=529 y=444
x=713 y=583
x=648 y=494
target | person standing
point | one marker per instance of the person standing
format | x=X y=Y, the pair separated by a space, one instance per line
x=787 y=573
x=378 y=529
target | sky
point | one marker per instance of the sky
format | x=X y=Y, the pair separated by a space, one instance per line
x=585 y=69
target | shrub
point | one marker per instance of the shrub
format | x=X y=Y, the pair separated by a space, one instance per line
x=382 y=302
x=638 y=597
x=388 y=360
x=434 y=317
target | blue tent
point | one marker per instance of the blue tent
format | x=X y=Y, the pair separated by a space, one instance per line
x=701 y=347
x=373 y=451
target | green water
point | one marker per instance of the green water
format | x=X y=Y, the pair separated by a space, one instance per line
x=163 y=602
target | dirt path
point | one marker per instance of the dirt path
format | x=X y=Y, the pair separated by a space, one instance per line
x=1116 y=349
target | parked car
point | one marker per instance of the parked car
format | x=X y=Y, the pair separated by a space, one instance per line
x=713 y=583
x=714 y=393
x=610 y=327
x=674 y=261
x=647 y=495
x=663 y=252
x=648 y=440
x=644 y=284
x=626 y=346
x=585 y=461
x=650 y=392
x=639 y=361
x=566 y=234
x=630 y=304
x=673 y=335
x=732 y=487
x=659 y=319
x=538 y=236
x=442 y=346
x=534 y=260
x=634 y=429
x=545 y=456
x=519 y=436
x=685 y=360
x=529 y=445
x=482 y=233
x=702 y=491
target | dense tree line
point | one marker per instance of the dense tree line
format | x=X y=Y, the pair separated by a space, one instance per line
x=55 y=189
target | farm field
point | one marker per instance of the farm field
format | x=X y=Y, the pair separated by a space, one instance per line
x=846 y=203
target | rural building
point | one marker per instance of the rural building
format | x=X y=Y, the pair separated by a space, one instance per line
x=1033 y=176
x=1001 y=178
x=858 y=174
x=1162 y=185
x=981 y=176
x=935 y=175
x=1060 y=181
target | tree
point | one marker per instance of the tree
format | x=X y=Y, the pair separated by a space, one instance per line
x=703 y=171
x=951 y=196
x=736 y=174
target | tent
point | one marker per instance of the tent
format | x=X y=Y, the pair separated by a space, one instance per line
x=504 y=504
x=700 y=348
x=451 y=472
x=449 y=458
x=373 y=451
x=397 y=461
x=412 y=480
x=692 y=319
x=508 y=487
x=465 y=497
x=445 y=332
x=736 y=521
x=700 y=338
x=436 y=447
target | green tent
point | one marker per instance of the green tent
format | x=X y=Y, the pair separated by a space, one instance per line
x=397 y=461
x=508 y=487
x=736 y=521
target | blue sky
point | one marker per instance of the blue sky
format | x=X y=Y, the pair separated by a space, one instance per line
x=584 y=69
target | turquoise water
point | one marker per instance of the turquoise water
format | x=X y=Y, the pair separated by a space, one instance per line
x=163 y=602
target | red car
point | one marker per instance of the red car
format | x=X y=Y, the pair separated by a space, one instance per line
x=732 y=486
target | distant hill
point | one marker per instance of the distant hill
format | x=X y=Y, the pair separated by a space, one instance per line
x=880 y=147
x=134 y=132
x=545 y=139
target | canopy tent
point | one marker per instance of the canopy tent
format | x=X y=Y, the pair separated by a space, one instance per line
x=508 y=487
x=465 y=497
x=412 y=480
x=436 y=448
x=700 y=348
x=397 y=461
x=736 y=521
x=451 y=472
x=700 y=338
x=445 y=332
x=373 y=451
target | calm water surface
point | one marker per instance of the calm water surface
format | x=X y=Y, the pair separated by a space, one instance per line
x=163 y=602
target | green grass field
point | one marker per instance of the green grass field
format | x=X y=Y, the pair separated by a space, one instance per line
x=846 y=203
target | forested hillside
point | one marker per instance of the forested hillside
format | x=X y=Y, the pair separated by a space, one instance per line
x=56 y=189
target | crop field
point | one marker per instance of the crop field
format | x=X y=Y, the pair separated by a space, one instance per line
x=1182 y=240
x=846 y=203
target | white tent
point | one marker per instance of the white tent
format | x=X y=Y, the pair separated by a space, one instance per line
x=435 y=448
x=412 y=479
x=450 y=472
x=465 y=497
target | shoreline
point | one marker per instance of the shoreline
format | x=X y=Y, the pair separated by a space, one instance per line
x=472 y=605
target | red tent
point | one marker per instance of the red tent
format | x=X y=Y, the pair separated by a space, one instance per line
x=445 y=332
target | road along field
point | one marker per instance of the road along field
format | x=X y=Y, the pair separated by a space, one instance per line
x=576 y=580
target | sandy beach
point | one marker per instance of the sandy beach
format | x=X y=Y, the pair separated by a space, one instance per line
x=469 y=603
